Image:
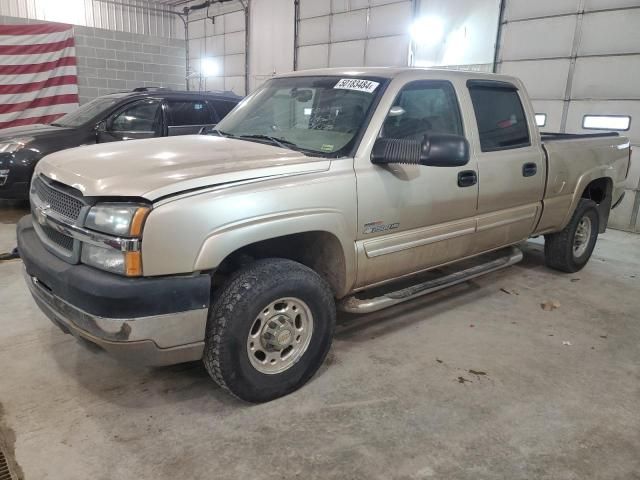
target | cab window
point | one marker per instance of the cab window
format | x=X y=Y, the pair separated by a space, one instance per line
x=421 y=108
x=502 y=123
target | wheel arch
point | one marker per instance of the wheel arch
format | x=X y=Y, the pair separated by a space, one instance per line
x=318 y=240
x=596 y=185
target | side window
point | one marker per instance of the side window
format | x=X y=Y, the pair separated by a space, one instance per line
x=423 y=107
x=188 y=112
x=223 y=107
x=501 y=120
x=142 y=116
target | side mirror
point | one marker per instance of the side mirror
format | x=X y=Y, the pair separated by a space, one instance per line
x=101 y=126
x=436 y=150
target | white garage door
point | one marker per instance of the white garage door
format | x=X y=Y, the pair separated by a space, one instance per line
x=580 y=61
x=217 y=53
x=344 y=33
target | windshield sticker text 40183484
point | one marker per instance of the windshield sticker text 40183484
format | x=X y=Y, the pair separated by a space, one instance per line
x=357 y=84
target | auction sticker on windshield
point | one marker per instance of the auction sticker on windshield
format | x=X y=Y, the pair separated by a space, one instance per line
x=357 y=84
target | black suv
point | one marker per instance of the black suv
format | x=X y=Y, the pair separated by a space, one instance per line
x=142 y=113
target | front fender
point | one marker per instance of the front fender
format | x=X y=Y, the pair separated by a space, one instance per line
x=227 y=239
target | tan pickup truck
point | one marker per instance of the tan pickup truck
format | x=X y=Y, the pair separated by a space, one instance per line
x=323 y=189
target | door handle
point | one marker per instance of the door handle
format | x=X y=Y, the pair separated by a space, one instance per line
x=467 y=178
x=529 y=169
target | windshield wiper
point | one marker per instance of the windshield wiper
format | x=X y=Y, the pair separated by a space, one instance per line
x=55 y=124
x=281 y=142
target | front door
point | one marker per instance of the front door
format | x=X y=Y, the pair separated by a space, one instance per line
x=511 y=165
x=413 y=217
x=141 y=119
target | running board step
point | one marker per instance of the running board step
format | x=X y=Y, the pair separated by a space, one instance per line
x=353 y=304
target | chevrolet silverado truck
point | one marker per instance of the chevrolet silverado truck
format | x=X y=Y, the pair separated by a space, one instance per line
x=323 y=190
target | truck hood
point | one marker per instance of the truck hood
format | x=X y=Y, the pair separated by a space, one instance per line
x=164 y=166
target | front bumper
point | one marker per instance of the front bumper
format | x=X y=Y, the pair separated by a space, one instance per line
x=152 y=321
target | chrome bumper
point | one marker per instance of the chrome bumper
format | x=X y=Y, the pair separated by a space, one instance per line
x=155 y=340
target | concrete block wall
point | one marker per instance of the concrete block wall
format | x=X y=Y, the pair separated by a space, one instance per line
x=111 y=61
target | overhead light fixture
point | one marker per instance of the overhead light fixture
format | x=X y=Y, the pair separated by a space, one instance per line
x=427 y=31
x=606 y=122
x=541 y=119
x=209 y=67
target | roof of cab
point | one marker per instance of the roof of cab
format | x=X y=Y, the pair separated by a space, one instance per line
x=392 y=72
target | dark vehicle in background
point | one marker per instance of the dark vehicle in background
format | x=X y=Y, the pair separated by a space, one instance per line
x=142 y=113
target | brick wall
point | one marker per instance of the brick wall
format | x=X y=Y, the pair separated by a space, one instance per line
x=111 y=61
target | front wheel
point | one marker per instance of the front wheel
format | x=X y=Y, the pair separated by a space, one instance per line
x=269 y=330
x=570 y=249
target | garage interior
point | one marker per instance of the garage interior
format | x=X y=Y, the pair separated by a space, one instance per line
x=525 y=373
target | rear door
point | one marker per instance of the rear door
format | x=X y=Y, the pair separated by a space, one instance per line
x=185 y=117
x=511 y=164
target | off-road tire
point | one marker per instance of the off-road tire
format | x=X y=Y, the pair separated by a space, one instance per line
x=233 y=312
x=558 y=247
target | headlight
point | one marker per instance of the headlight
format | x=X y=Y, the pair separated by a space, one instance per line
x=107 y=259
x=117 y=219
x=14 y=144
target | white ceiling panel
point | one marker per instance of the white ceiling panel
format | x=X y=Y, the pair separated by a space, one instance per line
x=314 y=8
x=234 y=22
x=543 y=38
x=553 y=110
x=217 y=27
x=197 y=29
x=387 y=51
x=347 y=54
x=392 y=19
x=235 y=84
x=349 y=26
x=602 y=4
x=215 y=83
x=215 y=45
x=314 y=56
x=597 y=37
x=548 y=86
x=313 y=31
x=234 y=65
x=234 y=43
x=384 y=2
x=606 y=78
x=520 y=9
x=338 y=6
x=196 y=47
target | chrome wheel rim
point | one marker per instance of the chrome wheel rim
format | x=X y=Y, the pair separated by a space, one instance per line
x=582 y=236
x=279 y=335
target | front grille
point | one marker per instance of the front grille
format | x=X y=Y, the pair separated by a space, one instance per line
x=62 y=241
x=61 y=203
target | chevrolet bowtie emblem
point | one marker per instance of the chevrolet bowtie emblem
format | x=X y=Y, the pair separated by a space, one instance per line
x=41 y=213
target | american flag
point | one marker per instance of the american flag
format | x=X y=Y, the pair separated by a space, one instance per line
x=38 y=75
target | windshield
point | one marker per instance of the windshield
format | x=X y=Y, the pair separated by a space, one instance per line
x=85 y=113
x=320 y=115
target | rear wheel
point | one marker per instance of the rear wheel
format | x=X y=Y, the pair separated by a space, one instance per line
x=269 y=329
x=570 y=249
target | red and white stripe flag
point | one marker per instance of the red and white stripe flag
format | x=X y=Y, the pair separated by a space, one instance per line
x=38 y=75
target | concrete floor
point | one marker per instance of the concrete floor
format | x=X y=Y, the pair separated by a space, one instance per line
x=472 y=383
